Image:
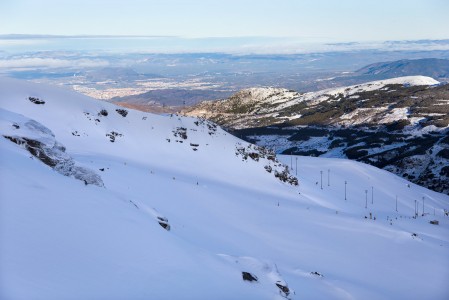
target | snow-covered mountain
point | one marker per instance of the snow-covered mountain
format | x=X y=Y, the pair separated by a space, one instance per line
x=258 y=107
x=433 y=67
x=99 y=202
x=399 y=124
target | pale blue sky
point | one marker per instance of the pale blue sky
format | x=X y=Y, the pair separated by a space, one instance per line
x=324 y=20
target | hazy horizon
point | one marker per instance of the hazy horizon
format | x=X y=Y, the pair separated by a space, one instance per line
x=18 y=43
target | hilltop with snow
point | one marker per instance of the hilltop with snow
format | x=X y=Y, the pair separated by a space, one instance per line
x=266 y=106
x=399 y=124
x=101 y=202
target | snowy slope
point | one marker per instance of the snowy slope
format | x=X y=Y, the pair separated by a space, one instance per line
x=375 y=85
x=61 y=238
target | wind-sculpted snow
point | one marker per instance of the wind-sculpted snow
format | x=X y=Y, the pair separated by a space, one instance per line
x=41 y=143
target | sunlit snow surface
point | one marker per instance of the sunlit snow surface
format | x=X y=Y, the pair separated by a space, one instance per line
x=63 y=239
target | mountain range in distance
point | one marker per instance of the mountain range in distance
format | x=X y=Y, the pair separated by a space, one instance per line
x=174 y=79
x=174 y=99
x=431 y=67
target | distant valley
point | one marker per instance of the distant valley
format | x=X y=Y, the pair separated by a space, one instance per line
x=173 y=99
x=176 y=97
x=161 y=82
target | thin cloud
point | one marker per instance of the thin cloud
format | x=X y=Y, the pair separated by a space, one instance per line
x=37 y=62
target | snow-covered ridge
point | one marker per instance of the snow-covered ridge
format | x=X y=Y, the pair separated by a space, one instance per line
x=274 y=95
x=319 y=96
x=266 y=94
x=279 y=95
x=188 y=211
x=259 y=106
x=410 y=80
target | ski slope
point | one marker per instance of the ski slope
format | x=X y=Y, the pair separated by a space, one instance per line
x=61 y=238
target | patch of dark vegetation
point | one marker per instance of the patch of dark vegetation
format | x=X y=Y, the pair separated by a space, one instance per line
x=103 y=113
x=398 y=125
x=270 y=130
x=36 y=100
x=445 y=140
x=122 y=112
x=317 y=117
x=315 y=273
x=286 y=177
x=212 y=127
x=180 y=132
x=255 y=152
x=290 y=151
x=337 y=143
x=355 y=153
x=297 y=151
x=249 y=277
x=112 y=135
x=310 y=132
x=350 y=133
x=444 y=171
x=444 y=153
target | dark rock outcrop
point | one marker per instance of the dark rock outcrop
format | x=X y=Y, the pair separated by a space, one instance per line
x=249 y=277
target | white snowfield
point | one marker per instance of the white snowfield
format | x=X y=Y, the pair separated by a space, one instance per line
x=64 y=238
x=317 y=97
x=375 y=85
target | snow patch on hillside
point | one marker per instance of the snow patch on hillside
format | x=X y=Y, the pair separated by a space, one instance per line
x=361 y=115
x=317 y=97
x=395 y=114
